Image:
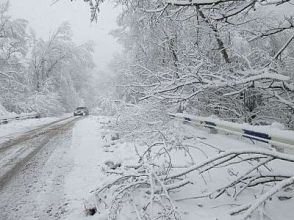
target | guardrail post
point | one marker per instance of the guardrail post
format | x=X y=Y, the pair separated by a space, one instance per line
x=4 y=121
x=278 y=149
x=213 y=131
x=211 y=126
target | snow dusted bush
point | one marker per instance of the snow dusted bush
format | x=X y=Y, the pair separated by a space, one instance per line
x=6 y=114
x=108 y=107
x=45 y=104
x=3 y=111
x=140 y=118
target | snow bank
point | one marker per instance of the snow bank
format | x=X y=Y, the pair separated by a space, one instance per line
x=16 y=127
x=5 y=114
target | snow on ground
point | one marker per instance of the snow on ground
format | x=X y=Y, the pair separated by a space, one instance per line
x=87 y=154
x=90 y=152
x=92 y=149
x=211 y=209
x=82 y=160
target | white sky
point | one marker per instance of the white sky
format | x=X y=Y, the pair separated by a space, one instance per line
x=44 y=18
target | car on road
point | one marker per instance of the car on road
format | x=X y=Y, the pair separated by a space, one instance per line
x=80 y=111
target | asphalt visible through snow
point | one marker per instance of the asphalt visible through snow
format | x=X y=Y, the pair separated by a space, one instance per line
x=32 y=172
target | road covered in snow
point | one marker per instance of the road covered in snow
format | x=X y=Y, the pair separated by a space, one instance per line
x=53 y=171
x=34 y=163
x=48 y=172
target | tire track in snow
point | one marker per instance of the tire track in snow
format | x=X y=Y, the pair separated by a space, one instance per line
x=37 y=191
x=31 y=134
x=35 y=143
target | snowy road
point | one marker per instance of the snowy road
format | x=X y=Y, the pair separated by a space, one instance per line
x=48 y=173
x=32 y=164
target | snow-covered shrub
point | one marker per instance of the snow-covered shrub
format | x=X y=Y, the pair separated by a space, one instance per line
x=45 y=104
x=140 y=118
x=4 y=113
x=108 y=107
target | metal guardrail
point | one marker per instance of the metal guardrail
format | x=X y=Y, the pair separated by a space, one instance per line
x=283 y=139
x=19 y=117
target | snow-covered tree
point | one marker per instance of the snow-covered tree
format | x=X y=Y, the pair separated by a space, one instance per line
x=45 y=76
x=60 y=66
x=13 y=48
x=232 y=60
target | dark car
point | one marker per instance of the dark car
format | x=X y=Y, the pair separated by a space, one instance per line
x=81 y=111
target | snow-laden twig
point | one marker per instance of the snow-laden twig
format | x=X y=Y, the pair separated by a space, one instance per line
x=284 y=101
x=154 y=177
x=268 y=195
x=241 y=177
x=147 y=182
x=277 y=155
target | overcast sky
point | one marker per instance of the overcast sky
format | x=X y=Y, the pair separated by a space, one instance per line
x=44 y=17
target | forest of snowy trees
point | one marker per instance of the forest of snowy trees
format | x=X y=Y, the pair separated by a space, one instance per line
x=47 y=76
x=232 y=59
